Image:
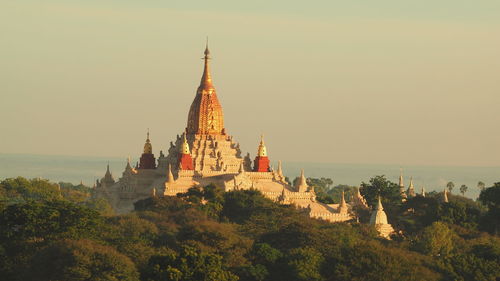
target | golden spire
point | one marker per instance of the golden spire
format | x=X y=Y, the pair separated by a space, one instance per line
x=262 y=152
x=185 y=145
x=206 y=79
x=205 y=115
x=148 y=148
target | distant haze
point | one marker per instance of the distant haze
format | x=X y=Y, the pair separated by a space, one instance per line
x=390 y=82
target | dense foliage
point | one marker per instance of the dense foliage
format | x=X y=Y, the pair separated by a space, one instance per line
x=207 y=234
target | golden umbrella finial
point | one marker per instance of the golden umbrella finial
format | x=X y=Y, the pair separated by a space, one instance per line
x=207 y=51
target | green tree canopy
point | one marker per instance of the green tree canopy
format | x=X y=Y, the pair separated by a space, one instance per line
x=491 y=198
x=81 y=260
x=450 y=185
x=41 y=221
x=436 y=240
x=191 y=264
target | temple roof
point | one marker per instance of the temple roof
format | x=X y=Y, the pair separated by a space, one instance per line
x=108 y=177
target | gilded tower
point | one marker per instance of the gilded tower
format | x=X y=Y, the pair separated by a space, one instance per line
x=205 y=115
x=212 y=150
x=261 y=162
x=147 y=160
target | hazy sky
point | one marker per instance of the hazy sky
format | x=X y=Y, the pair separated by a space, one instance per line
x=401 y=82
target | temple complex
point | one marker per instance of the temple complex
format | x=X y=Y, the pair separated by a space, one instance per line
x=206 y=154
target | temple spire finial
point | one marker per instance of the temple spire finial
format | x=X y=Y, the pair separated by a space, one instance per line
x=242 y=168
x=262 y=151
x=207 y=51
x=185 y=145
x=170 y=176
x=302 y=182
x=206 y=79
x=343 y=204
x=379 y=204
x=280 y=168
x=401 y=184
x=148 y=148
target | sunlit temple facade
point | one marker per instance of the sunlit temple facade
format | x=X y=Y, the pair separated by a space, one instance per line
x=206 y=154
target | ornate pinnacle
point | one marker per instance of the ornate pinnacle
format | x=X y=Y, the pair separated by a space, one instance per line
x=302 y=183
x=280 y=170
x=170 y=176
x=379 y=204
x=262 y=151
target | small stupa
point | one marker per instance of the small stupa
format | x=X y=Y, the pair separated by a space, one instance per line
x=379 y=220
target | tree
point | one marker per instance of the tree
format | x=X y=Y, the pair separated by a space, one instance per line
x=371 y=260
x=190 y=264
x=16 y=190
x=481 y=185
x=463 y=189
x=460 y=212
x=491 y=198
x=424 y=211
x=322 y=187
x=81 y=260
x=101 y=205
x=470 y=267
x=336 y=192
x=132 y=236
x=239 y=206
x=41 y=222
x=304 y=264
x=450 y=185
x=380 y=186
x=436 y=240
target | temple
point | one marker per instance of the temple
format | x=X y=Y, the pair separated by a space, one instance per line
x=206 y=154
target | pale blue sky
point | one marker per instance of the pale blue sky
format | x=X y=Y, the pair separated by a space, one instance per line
x=401 y=82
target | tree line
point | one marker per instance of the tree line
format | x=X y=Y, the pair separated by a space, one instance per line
x=51 y=231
